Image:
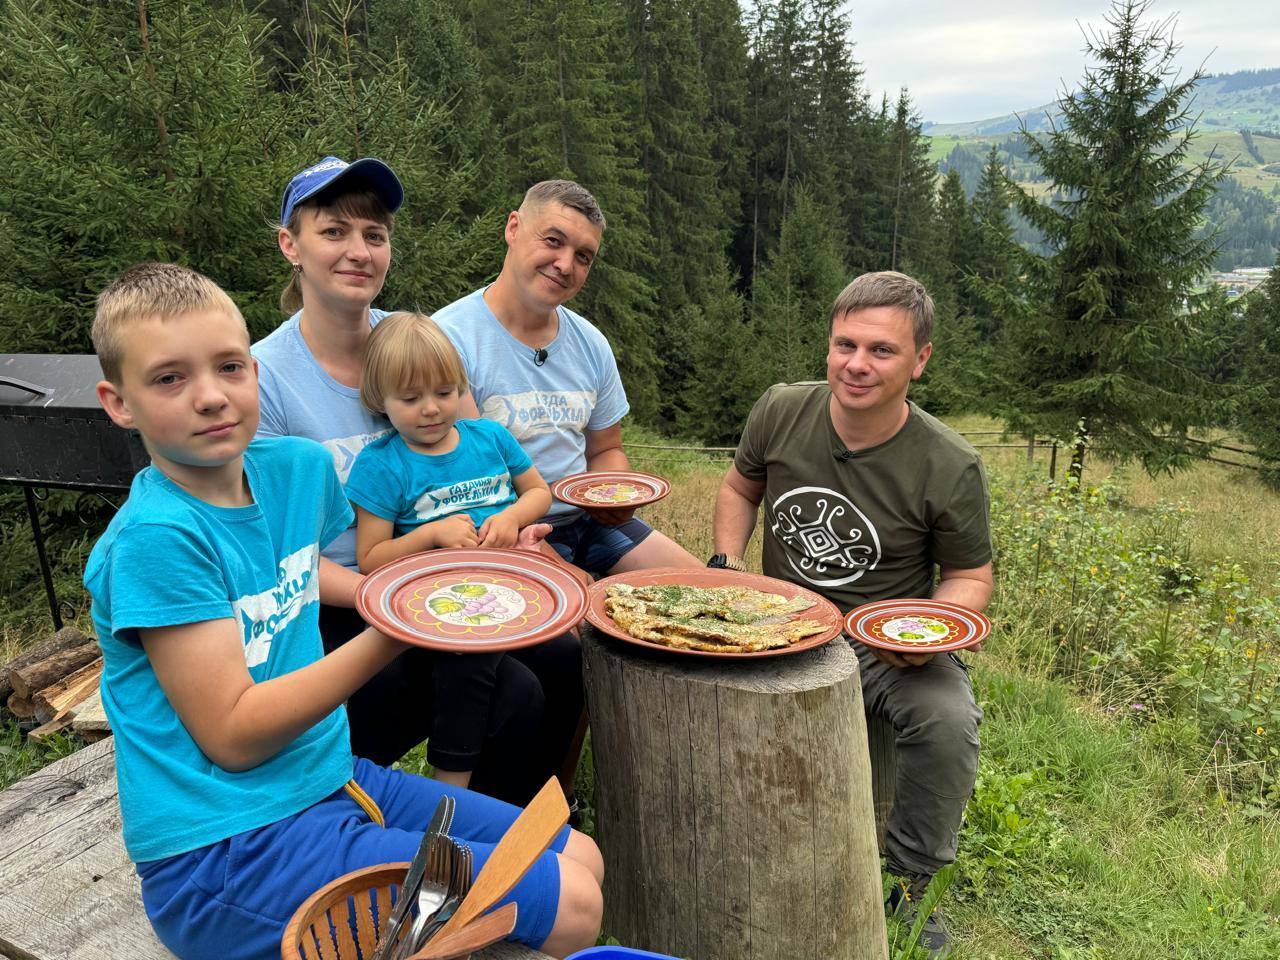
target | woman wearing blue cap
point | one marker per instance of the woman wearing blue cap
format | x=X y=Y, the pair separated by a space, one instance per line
x=336 y=220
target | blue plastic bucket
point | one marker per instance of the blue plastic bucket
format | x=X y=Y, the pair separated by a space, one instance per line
x=618 y=953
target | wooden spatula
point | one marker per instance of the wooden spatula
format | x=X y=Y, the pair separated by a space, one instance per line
x=515 y=853
x=476 y=935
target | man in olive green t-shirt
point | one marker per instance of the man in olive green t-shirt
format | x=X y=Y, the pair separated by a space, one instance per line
x=866 y=496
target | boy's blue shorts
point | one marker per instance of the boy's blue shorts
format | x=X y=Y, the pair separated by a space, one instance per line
x=232 y=899
x=587 y=543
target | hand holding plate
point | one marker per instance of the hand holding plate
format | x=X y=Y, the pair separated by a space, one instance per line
x=611 y=518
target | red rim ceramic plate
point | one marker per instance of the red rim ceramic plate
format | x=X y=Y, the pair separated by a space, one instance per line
x=610 y=489
x=822 y=609
x=916 y=626
x=470 y=600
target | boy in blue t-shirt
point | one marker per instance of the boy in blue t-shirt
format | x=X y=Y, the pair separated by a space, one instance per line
x=238 y=791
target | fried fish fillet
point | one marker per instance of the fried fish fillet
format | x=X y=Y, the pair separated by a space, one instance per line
x=713 y=619
x=733 y=604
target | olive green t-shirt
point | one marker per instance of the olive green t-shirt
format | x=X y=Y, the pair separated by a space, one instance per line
x=867 y=525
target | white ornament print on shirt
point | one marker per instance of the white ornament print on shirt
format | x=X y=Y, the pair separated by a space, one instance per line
x=828 y=541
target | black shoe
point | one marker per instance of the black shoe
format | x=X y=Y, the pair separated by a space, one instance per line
x=904 y=900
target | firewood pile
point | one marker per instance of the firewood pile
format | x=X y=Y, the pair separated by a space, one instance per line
x=53 y=687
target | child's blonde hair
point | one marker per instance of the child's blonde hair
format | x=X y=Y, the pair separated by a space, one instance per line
x=407 y=350
x=151 y=291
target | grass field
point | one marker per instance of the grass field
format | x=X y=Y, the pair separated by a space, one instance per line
x=1102 y=827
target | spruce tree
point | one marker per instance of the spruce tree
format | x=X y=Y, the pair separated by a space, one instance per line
x=569 y=105
x=781 y=120
x=914 y=182
x=792 y=296
x=132 y=132
x=1259 y=383
x=363 y=101
x=1105 y=323
x=688 y=223
x=994 y=260
x=722 y=46
x=720 y=346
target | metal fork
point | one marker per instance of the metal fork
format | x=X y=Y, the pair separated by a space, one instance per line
x=437 y=882
x=457 y=894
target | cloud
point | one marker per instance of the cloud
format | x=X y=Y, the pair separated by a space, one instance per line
x=977 y=59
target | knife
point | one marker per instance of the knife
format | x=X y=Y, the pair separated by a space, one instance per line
x=441 y=820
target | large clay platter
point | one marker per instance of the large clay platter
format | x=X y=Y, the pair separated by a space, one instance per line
x=917 y=626
x=610 y=490
x=472 y=600
x=822 y=610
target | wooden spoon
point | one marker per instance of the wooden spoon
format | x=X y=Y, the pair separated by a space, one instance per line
x=515 y=853
x=476 y=935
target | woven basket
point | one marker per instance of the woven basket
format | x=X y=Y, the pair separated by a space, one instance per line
x=340 y=920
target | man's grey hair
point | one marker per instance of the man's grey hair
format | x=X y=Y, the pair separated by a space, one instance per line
x=887 y=288
x=566 y=192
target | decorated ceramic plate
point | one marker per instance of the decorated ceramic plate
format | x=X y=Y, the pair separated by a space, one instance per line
x=468 y=600
x=917 y=626
x=610 y=489
x=818 y=609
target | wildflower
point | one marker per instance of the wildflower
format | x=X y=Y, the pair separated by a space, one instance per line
x=1259 y=732
x=1137 y=706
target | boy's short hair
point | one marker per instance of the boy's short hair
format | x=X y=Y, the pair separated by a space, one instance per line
x=888 y=288
x=148 y=291
x=566 y=192
x=405 y=350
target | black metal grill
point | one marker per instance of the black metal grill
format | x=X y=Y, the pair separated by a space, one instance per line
x=54 y=433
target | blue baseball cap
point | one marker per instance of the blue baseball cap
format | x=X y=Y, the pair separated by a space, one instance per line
x=365 y=172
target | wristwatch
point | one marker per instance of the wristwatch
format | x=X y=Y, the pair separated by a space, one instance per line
x=724 y=561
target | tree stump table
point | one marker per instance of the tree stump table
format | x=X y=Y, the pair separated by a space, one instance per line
x=733 y=802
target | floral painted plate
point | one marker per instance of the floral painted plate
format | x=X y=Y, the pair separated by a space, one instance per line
x=469 y=600
x=610 y=490
x=916 y=626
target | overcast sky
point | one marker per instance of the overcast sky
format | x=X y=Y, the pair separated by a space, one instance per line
x=974 y=59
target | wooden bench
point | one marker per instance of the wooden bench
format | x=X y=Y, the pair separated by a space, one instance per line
x=67 y=889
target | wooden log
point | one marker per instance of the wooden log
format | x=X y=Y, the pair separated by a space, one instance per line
x=34 y=677
x=50 y=729
x=58 y=698
x=733 y=804
x=65 y=638
x=90 y=718
x=20 y=707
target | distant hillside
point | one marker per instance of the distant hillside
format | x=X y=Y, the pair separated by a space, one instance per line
x=1239 y=125
x=1248 y=100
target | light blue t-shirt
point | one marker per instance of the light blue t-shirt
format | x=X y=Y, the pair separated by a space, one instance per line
x=548 y=408
x=299 y=399
x=168 y=558
x=409 y=488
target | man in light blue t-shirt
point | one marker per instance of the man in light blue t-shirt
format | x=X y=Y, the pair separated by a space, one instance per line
x=549 y=376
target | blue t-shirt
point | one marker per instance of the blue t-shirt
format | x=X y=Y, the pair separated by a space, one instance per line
x=409 y=488
x=168 y=558
x=299 y=399
x=548 y=408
